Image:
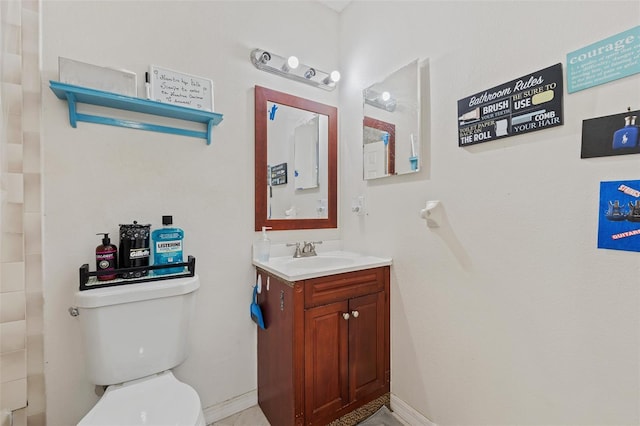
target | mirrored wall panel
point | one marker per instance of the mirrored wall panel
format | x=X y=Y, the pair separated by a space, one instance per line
x=391 y=124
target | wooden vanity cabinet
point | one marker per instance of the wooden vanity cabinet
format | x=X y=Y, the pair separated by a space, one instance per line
x=325 y=350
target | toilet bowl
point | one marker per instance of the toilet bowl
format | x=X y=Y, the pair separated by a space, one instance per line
x=159 y=400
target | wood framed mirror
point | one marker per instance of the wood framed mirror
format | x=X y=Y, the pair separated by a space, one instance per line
x=296 y=140
x=379 y=147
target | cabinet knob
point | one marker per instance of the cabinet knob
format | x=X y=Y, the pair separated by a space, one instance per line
x=345 y=315
x=355 y=314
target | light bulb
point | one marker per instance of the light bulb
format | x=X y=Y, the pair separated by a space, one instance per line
x=332 y=78
x=385 y=96
x=292 y=62
x=309 y=73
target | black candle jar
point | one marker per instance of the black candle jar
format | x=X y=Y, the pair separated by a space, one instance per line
x=134 y=248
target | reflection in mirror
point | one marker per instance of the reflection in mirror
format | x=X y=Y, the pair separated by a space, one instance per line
x=295 y=138
x=392 y=104
x=379 y=140
x=295 y=164
x=305 y=155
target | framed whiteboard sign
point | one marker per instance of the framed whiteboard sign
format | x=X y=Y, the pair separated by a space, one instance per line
x=180 y=89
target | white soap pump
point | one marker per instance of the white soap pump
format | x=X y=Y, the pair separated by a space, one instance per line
x=262 y=247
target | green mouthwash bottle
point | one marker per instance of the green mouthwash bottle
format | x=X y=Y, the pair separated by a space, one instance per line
x=167 y=247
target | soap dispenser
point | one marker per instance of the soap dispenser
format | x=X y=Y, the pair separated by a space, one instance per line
x=106 y=257
x=262 y=247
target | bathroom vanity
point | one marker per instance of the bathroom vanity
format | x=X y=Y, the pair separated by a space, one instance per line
x=325 y=349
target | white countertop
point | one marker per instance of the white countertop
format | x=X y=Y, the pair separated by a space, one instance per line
x=325 y=263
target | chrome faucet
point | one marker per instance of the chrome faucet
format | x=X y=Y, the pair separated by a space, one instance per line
x=308 y=249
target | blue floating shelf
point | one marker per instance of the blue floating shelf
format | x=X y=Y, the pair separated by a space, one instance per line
x=76 y=94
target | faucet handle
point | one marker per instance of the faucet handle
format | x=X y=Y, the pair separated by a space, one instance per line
x=297 y=253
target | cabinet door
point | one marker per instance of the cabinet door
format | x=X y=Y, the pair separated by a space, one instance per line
x=366 y=345
x=326 y=360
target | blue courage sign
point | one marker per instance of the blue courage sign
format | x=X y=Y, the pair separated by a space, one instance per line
x=604 y=61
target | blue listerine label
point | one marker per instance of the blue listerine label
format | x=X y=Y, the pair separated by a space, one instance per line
x=167 y=249
x=169 y=235
x=169 y=246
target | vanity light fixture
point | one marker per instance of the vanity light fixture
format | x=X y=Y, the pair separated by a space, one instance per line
x=263 y=57
x=292 y=68
x=291 y=64
x=333 y=77
x=382 y=100
x=308 y=74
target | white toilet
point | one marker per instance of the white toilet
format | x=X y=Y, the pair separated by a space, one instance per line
x=133 y=335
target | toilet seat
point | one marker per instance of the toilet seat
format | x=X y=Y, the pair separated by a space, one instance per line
x=159 y=400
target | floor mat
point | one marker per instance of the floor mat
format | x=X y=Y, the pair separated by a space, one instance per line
x=382 y=417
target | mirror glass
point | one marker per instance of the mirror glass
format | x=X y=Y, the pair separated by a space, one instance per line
x=295 y=163
x=391 y=125
x=379 y=139
x=306 y=144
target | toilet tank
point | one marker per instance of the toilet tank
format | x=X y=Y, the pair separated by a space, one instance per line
x=135 y=330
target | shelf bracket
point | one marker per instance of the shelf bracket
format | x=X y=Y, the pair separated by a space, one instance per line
x=73 y=112
x=209 y=130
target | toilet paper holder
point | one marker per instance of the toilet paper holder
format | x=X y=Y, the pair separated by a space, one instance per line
x=432 y=213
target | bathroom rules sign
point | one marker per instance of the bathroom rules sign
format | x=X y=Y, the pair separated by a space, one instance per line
x=529 y=103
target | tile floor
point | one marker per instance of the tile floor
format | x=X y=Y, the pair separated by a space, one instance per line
x=253 y=416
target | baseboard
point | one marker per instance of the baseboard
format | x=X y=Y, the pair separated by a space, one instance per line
x=249 y=399
x=230 y=406
x=408 y=414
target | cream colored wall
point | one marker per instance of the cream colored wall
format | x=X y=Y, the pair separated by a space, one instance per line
x=96 y=177
x=508 y=313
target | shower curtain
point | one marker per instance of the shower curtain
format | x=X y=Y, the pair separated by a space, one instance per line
x=21 y=328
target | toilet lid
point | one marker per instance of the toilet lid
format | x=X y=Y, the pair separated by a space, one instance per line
x=159 y=400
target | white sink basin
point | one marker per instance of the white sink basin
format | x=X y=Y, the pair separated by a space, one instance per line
x=318 y=262
x=329 y=263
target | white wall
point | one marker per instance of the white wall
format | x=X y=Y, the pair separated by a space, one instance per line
x=96 y=177
x=507 y=314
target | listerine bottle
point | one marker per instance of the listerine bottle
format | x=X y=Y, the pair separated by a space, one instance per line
x=167 y=247
x=627 y=137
